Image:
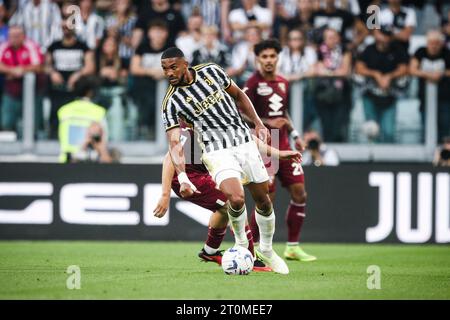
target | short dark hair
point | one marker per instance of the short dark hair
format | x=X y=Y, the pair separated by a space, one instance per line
x=86 y=84
x=172 y=52
x=267 y=44
x=158 y=23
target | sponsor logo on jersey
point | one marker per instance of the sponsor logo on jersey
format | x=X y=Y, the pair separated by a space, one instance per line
x=275 y=104
x=263 y=89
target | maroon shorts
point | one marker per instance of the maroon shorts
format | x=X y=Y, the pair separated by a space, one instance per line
x=289 y=173
x=209 y=197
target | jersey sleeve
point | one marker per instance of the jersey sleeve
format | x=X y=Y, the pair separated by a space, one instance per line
x=170 y=116
x=223 y=78
x=250 y=89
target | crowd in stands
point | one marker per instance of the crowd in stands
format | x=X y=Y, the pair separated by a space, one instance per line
x=330 y=45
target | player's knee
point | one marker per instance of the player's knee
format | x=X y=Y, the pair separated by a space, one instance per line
x=299 y=197
x=264 y=206
x=237 y=201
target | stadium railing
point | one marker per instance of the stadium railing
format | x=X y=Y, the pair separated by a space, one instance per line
x=418 y=146
x=420 y=150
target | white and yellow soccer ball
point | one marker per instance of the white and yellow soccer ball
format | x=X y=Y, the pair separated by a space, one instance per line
x=237 y=261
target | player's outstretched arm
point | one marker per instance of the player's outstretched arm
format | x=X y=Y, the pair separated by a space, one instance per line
x=299 y=144
x=243 y=102
x=168 y=171
x=275 y=153
x=176 y=152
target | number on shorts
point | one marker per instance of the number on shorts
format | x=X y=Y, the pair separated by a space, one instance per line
x=298 y=170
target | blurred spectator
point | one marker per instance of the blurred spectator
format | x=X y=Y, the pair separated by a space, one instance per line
x=120 y=24
x=67 y=61
x=18 y=56
x=302 y=20
x=243 y=57
x=193 y=39
x=82 y=130
x=89 y=25
x=40 y=19
x=287 y=9
x=333 y=94
x=3 y=38
x=298 y=61
x=384 y=67
x=146 y=69
x=159 y=10
x=214 y=13
x=112 y=76
x=3 y=24
x=251 y=14
x=351 y=6
x=317 y=153
x=402 y=20
x=446 y=29
x=94 y=147
x=109 y=66
x=432 y=63
x=331 y=17
x=212 y=49
x=442 y=154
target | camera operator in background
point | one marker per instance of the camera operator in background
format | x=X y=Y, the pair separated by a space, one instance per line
x=317 y=153
x=82 y=126
x=94 y=148
x=442 y=155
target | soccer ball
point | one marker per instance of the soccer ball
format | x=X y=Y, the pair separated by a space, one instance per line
x=237 y=260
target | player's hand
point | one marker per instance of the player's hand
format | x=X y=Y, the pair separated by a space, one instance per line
x=299 y=144
x=290 y=155
x=187 y=190
x=161 y=207
x=277 y=123
x=262 y=133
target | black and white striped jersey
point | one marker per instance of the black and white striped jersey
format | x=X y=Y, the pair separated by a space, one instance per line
x=205 y=104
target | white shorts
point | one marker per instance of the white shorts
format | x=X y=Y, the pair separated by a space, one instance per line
x=242 y=162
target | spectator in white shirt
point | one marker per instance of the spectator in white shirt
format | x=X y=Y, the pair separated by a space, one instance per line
x=192 y=40
x=243 y=57
x=297 y=60
x=251 y=14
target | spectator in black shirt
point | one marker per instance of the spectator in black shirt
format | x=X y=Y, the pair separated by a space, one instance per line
x=146 y=69
x=446 y=29
x=303 y=20
x=159 y=10
x=331 y=17
x=67 y=61
x=384 y=66
x=432 y=63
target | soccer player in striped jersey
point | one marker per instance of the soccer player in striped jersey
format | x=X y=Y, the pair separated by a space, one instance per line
x=206 y=98
x=269 y=92
x=210 y=197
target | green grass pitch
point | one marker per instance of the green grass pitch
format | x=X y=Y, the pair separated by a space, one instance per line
x=171 y=270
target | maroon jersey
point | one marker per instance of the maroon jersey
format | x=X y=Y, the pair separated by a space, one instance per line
x=209 y=197
x=271 y=100
x=192 y=153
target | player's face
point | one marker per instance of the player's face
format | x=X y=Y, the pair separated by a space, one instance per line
x=268 y=60
x=174 y=69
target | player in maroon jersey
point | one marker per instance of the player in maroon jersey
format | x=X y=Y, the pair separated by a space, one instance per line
x=269 y=94
x=207 y=195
